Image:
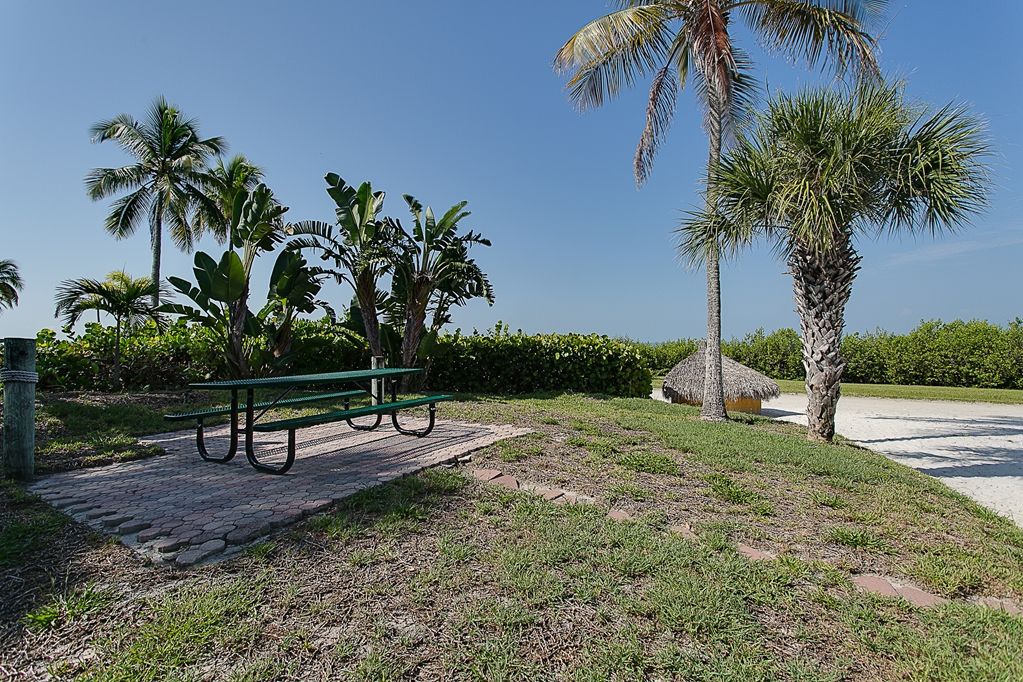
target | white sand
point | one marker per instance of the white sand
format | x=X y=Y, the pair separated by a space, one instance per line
x=975 y=448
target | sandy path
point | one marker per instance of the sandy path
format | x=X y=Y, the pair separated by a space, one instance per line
x=976 y=448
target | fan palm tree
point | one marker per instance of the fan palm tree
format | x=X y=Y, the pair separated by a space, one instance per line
x=11 y=284
x=127 y=299
x=674 y=40
x=822 y=169
x=165 y=182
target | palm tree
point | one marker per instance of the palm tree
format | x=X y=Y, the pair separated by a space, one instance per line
x=165 y=182
x=822 y=169
x=673 y=40
x=121 y=296
x=11 y=284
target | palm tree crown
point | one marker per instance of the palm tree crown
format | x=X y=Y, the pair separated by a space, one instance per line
x=674 y=40
x=819 y=170
x=165 y=182
x=11 y=283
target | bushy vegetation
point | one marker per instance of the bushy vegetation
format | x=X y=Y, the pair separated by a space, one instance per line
x=501 y=362
x=936 y=353
x=495 y=362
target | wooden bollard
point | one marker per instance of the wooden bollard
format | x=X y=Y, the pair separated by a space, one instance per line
x=19 y=378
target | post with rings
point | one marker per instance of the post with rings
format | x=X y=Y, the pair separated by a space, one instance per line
x=19 y=379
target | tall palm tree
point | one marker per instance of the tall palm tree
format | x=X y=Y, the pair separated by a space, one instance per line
x=673 y=40
x=121 y=296
x=822 y=169
x=11 y=284
x=165 y=182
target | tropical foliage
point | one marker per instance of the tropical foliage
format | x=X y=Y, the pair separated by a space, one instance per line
x=822 y=169
x=164 y=185
x=678 y=41
x=128 y=300
x=252 y=342
x=11 y=284
x=432 y=271
x=358 y=245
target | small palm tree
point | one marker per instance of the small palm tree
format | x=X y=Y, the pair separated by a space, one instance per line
x=125 y=298
x=163 y=185
x=822 y=169
x=677 y=40
x=11 y=284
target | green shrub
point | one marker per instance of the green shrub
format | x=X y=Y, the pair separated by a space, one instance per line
x=957 y=353
x=500 y=362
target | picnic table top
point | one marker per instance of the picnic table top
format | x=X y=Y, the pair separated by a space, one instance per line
x=308 y=379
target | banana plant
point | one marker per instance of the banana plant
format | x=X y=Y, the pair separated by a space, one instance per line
x=221 y=291
x=432 y=268
x=359 y=245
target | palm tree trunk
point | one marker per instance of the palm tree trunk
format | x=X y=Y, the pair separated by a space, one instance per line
x=412 y=334
x=155 y=239
x=822 y=284
x=713 y=383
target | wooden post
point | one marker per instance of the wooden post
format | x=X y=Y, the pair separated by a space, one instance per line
x=376 y=385
x=19 y=378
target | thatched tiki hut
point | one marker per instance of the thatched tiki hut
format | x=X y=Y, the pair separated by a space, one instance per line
x=744 y=387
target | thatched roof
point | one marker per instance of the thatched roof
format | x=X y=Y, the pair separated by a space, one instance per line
x=685 y=380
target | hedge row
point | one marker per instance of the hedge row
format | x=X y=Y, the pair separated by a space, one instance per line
x=499 y=362
x=495 y=362
x=936 y=353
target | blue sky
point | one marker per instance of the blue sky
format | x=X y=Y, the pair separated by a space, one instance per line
x=452 y=100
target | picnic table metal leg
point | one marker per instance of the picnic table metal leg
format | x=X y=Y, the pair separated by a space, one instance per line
x=415 y=432
x=200 y=441
x=250 y=453
x=363 y=427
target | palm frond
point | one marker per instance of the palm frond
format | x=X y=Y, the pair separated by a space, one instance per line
x=809 y=29
x=610 y=53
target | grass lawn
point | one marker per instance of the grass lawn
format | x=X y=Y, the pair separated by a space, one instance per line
x=439 y=577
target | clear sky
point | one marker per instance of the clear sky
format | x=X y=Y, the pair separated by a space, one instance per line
x=452 y=100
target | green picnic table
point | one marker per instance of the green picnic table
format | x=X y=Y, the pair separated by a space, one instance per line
x=362 y=380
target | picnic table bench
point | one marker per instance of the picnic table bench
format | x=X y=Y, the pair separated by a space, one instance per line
x=363 y=380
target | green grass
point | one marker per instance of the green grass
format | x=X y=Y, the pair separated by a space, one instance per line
x=970 y=395
x=440 y=577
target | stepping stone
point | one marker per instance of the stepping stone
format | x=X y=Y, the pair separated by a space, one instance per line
x=875 y=584
x=190 y=556
x=485 y=474
x=97 y=513
x=553 y=494
x=506 y=481
x=918 y=597
x=997 y=604
x=685 y=531
x=619 y=515
x=754 y=554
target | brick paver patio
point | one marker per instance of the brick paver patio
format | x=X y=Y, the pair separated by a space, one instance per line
x=178 y=509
